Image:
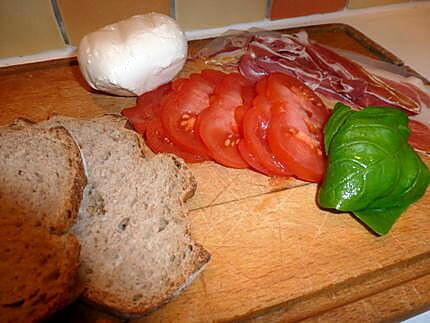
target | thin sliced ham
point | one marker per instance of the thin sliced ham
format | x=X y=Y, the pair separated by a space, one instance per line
x=327 y=73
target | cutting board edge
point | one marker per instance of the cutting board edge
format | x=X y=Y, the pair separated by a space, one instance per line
x=347 y=291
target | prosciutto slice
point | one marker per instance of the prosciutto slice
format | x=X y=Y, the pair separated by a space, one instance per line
x=327 y=73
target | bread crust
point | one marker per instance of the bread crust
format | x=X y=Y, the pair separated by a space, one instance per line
x=34 y=242
x=183 y=185
x=69 y=211
x=102 y=301
x=79 y=180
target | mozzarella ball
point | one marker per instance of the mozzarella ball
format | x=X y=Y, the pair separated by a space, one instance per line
x=133 y=56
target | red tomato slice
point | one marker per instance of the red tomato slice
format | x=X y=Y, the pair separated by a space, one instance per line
x=261 y=86
x=157 y=140
x=213 y=76
x=239 y=114
x=219 y=132
x=255 y=124
x=295 y=132
x=178 y=83
x=282 y=87
x=138 y=117
x=218 y=127
x=236 y=90
x=147 y=108
x=250 y=159
x=293 y=144
x=198 y=83
x=179 y=114
x=152 y=98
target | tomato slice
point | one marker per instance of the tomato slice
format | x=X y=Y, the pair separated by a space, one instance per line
x=198 y=83
x=218 y=125
x=282 y=88
x=179 y=114
x=152 y=98
x=220 y=133
x=236 y=90
x=261 y=86
x=178 y=83
x=147 y=108
x=138 y=117
x=295 y=132
x=157 y=140
x=293 y=144
x=255 y=124
x=213 y=76
x=250 y=159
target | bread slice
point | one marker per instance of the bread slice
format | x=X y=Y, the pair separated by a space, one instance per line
x=137 y=251
x=38 y=269
x=41 y=174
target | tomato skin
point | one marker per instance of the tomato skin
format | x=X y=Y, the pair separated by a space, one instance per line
x=198 y=83
x=178 y=84
x=261 y=86
x=283 y=88
x=219 y=125
x=153 y=97
x=239 y=114
x=295 y=134
x=235 y=90
x=213 y=76
x=158 y=142
x=179 y=114
x=138 y=117
x=255 y=124
x=146 y=108
x=250 y=158
x=216 y=129
x=293 y=147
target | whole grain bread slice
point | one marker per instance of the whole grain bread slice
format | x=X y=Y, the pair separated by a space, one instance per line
x=38 y=269
x=41 y=174
x=137 y=251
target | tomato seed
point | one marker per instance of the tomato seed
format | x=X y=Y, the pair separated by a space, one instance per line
x=293 y=131
x=191 y=122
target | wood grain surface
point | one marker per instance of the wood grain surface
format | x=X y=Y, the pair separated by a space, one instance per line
x=275 y=255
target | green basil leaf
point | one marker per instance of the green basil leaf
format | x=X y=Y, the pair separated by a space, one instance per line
x=341 y=112
x=380 y=221
x=372 y=171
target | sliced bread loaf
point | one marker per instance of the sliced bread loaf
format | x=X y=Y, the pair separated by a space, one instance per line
x=38 y=269
x=137 y=251
x=41 y=174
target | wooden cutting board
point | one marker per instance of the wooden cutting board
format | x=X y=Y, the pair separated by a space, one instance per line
x=275 y=255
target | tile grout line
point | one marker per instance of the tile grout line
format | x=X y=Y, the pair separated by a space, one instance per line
x=269 y=5
x=172 y=9
x=60 y=22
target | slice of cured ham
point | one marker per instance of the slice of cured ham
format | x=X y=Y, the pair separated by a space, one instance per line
x=327 y=73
